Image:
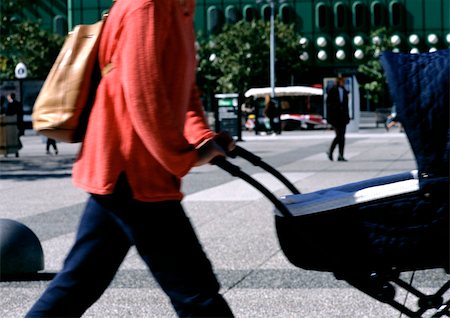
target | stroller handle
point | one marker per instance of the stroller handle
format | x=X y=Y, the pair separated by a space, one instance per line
x=235 y=171
x=257 y=161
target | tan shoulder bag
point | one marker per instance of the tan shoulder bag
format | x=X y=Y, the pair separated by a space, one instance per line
x=63 y=105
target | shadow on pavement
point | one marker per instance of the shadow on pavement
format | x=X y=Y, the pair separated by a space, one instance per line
x=36 y=167
x=27 y=277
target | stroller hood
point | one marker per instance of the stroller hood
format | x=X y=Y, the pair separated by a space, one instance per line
x=419 y=86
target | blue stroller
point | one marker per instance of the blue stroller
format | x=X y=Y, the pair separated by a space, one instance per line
x=367 y=233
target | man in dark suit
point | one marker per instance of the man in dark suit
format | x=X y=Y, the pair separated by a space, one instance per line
x=337 y=116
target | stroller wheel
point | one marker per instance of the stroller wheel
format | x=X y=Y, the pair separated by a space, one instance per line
x=384 y=292
x=430 y=301
x=374 y=285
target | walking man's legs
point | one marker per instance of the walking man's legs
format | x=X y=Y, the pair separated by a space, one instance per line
x=51 y=142
x=340 y=135
x=339 y=140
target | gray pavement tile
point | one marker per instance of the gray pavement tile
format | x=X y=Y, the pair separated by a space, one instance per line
x=237 y=234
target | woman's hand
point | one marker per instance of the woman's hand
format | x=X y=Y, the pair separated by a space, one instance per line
x=224 y=139
x=208 y=150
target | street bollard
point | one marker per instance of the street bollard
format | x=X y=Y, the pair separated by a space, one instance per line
x=21 y=252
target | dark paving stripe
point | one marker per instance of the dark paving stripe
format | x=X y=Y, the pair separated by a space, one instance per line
x=248 y=279
x=54 y=223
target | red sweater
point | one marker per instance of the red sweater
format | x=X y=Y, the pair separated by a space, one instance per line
x=147 y=117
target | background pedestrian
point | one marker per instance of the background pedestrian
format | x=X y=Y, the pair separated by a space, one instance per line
x=338 y=116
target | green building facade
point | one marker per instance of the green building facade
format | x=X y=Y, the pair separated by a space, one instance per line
x=333 y=31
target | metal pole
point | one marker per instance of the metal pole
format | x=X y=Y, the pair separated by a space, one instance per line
x=272 y=48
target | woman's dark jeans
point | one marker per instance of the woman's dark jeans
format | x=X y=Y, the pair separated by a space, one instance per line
x=164 y=238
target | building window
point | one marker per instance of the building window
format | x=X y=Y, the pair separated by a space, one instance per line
x=359 y=15
x=265 y=12
x=249 y=13
x=396 y=14
x=322 y=16
x=377 y=14
x=213 y=20
x=286 y=13
x=231 y=14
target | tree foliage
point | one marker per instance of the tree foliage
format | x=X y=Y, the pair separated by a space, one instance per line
x=25 y=41
x=238 y=58
x=374 y=79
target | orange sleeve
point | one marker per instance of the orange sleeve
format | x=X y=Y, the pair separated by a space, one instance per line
x=158 y=124
x=196 y=128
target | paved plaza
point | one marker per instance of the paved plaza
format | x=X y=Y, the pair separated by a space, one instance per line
x=235 y=224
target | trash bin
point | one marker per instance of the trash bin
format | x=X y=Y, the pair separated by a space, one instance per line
x=9 y=135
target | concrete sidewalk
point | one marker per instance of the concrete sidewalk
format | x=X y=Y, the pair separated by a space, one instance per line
x=234 y=222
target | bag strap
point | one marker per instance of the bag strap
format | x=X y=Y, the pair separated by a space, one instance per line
x=107 y=68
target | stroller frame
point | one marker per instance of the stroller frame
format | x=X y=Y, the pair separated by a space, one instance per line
x=381 y=285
